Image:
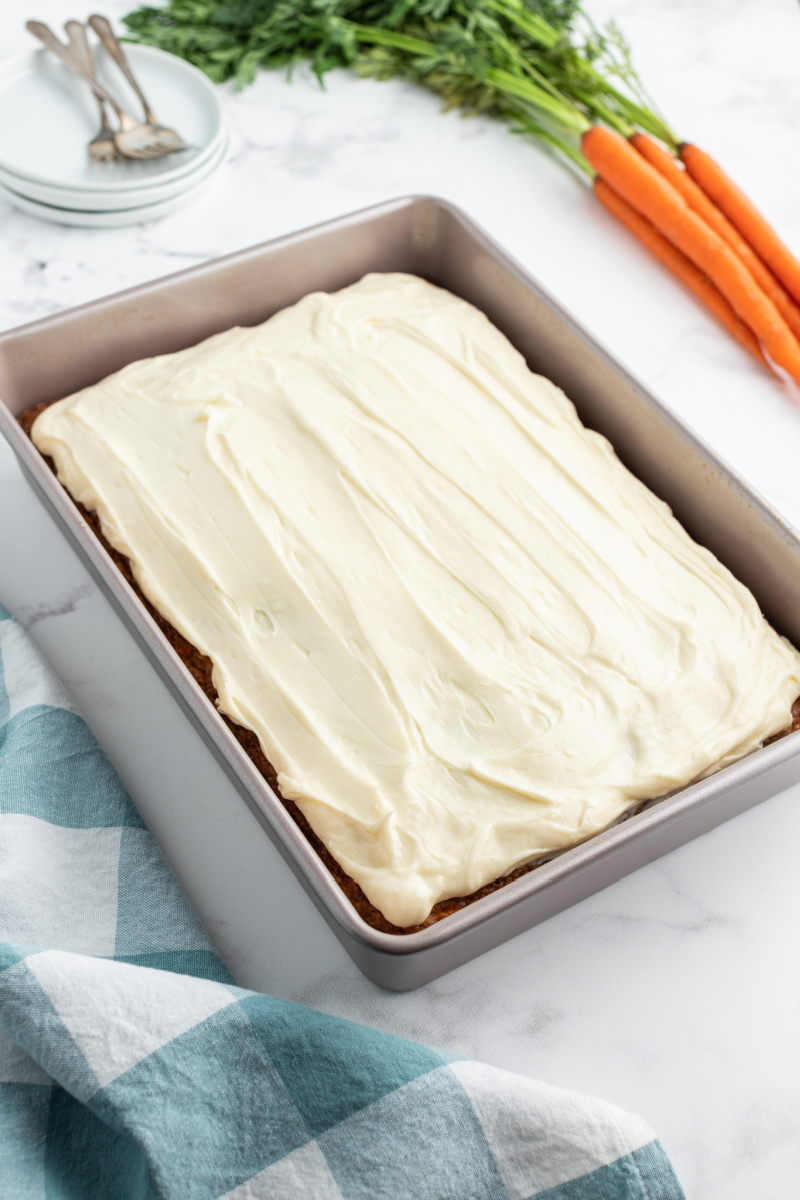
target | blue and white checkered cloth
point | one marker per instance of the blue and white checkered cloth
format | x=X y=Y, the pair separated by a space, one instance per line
x=131 y=1066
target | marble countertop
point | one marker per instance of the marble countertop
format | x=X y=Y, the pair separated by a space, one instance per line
x=675 y=992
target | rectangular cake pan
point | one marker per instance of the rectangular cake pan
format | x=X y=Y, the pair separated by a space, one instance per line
x=428 y=237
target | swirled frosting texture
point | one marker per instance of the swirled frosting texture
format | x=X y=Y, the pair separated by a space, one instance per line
x=463 y=632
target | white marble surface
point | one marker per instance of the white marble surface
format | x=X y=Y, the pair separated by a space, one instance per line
x=674 y=993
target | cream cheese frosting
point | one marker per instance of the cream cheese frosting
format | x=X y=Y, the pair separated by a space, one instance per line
x=465 y=635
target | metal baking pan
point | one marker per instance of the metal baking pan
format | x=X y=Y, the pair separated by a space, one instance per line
x=428 y=237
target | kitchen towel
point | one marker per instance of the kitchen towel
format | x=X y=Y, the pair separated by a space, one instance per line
x=133 y=1067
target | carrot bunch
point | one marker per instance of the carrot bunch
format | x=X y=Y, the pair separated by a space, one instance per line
x=555 y=76
x=697 y=222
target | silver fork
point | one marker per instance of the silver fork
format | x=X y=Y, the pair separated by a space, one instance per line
x=133 y=139
x=103 y=29
x=102 y=148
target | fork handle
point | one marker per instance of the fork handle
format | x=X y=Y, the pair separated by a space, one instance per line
x=103 y=147
x=49 y=39
x=103 y=29
x=79 y=45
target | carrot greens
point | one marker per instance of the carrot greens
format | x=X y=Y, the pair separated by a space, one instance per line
x=540 y=65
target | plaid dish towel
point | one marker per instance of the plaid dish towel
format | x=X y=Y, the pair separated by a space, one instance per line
x=131 y=1066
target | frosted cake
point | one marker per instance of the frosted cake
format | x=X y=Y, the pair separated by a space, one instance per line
x=463 y=633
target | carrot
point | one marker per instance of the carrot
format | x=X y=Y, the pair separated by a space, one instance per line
x=679 y=264
x=742 y=213
x=696 y=198
x=650 y=194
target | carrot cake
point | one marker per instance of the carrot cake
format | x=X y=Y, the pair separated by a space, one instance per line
x=463 y=633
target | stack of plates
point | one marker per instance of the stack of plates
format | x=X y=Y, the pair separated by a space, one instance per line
x=48 y=115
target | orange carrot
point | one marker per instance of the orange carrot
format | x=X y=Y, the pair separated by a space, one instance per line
x=679 y=264
x=613 y=157
x=742 y=213
x=696 y=198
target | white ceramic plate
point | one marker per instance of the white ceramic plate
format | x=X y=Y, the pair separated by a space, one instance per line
x=48 y=115
x=96 y=201
x=109 y=219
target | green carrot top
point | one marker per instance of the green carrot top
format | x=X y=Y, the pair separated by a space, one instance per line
x=541 y=65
